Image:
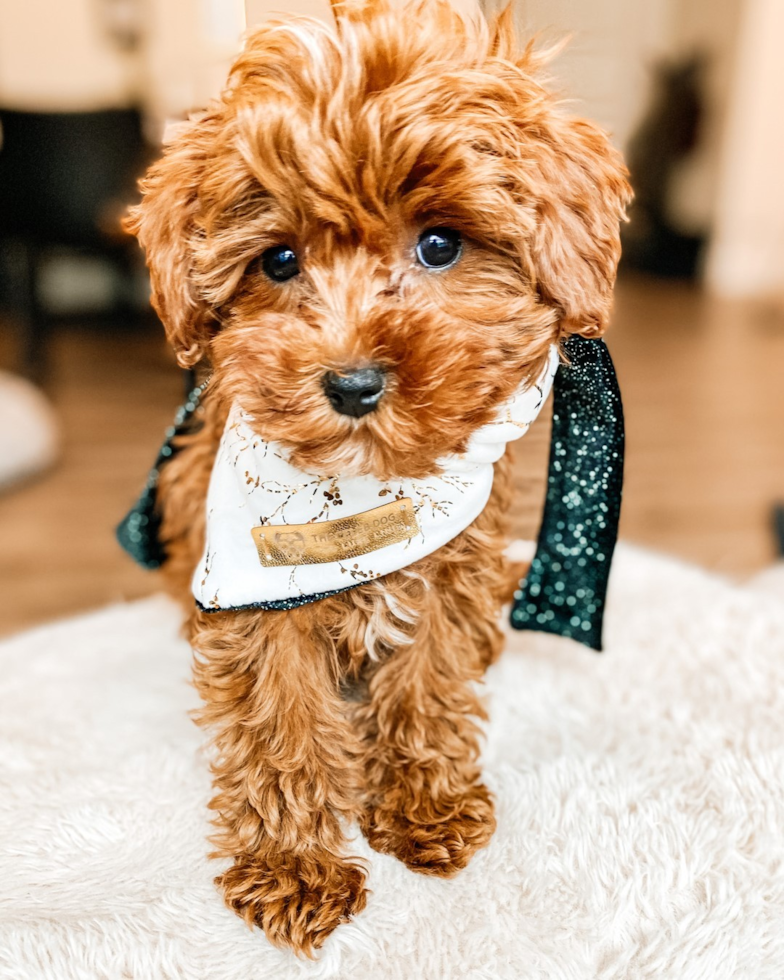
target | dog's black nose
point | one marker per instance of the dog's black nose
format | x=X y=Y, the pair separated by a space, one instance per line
x=354 y=393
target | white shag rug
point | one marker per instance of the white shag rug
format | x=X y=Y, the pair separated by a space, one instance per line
x=640 y=799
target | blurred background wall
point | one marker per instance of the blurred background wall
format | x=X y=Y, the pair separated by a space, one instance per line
x=168 y=55
x=59 y=56
x=748 y=253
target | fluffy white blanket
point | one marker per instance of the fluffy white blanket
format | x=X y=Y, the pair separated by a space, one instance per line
x=640 y=799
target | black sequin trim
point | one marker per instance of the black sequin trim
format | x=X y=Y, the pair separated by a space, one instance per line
x=566 y=587
x=278 y=605
x=139 y=531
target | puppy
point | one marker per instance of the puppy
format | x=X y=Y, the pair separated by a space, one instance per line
x=399 y=203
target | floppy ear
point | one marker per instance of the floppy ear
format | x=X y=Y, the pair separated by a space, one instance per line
x=573 y=187
x=166 y=224
x=580 y=195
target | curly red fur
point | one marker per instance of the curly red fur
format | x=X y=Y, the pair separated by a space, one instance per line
x=345 y=145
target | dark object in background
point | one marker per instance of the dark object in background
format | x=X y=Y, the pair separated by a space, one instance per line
x=778 y=525
x=668 y=133
x=65 y=178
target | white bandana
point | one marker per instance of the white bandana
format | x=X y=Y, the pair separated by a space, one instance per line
x=277 y=533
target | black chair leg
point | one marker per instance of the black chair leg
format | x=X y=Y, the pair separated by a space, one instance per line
x=24 y=259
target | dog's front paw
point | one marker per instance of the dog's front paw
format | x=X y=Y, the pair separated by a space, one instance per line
x=298 y=900
x=430 y=843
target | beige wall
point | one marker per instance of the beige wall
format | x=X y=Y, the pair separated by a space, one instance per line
x=604 y=69
x=190 y=46
x=258 y=10
x=713 y=28
x=748 y=253
x=56 y=54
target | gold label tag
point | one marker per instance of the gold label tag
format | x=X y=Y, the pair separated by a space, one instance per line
x=346 y=537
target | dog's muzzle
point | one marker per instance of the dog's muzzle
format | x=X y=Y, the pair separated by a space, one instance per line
x=355 y=393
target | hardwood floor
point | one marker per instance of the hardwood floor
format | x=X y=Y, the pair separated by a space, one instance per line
x=702 y=383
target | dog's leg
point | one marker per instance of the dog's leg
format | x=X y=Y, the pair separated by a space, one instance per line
x=425 y=803
x=424 y=799
x=286 y=772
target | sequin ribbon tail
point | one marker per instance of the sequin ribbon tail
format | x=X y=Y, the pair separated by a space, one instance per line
x=566 y=586
x=139 y=531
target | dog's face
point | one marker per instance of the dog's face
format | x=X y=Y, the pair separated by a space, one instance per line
x=376 y=234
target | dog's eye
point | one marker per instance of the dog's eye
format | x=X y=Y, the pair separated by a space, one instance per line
x=280 y=263
x=439 y=247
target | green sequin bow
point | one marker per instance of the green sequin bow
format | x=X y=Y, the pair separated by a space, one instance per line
x=566 y=586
